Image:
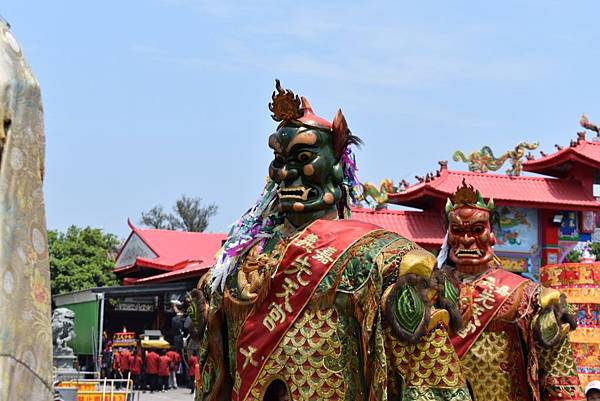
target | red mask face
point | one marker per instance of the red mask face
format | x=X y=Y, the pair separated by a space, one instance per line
x=470 y=238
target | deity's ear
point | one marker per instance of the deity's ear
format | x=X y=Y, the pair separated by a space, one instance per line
x=449 y=206
x=341 y=133
x=492 y=239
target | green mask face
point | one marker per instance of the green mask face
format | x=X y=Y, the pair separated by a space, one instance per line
x=308 y=173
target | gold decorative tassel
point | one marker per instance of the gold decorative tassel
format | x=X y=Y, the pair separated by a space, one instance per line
x=497 y=260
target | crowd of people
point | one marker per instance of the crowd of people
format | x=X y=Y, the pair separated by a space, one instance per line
x=150 y=369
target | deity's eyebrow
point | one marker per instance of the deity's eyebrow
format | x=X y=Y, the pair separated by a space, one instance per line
x=304 y=137
x=298 y=147
x=477 y=221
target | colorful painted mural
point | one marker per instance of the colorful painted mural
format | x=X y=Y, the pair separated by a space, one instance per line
x=514 y=264
x=568 y=227
x=518 y=232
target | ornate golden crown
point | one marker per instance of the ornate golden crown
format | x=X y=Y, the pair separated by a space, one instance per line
x=285 y=105
x=468 y=195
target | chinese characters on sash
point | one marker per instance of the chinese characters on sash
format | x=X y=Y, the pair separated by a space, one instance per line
x=484 y=302
x=296 y=275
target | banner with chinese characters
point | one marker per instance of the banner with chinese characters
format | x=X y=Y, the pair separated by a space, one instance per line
x=305 y=263
x=124 y=339
x=518 y=230
x=135 y=304
x=571 y=276
x=580 y=282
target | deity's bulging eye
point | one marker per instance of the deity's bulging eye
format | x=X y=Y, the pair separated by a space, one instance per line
x=457 y=230
x=477 y=230
x=305 y=156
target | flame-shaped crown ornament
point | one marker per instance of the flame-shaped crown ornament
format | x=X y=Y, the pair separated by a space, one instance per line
x=288 y=107
x=285 y=105
x=467 y=195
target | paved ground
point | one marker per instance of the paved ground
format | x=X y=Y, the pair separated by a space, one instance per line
x=181 y=394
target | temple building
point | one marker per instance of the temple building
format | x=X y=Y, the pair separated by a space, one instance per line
x=161 y=256
x=541 y=218
x=155 y=268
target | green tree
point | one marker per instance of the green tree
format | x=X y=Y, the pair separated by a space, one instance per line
x=81 y=258
x=156 y=218
x=188 y=215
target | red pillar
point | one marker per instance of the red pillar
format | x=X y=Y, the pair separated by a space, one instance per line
x=550 y=249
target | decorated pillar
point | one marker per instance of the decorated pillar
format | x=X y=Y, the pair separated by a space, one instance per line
x=580 y=282
x=25 y=331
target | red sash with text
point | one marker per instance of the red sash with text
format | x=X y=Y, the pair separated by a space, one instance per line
x=490 y=292
x=305 y=263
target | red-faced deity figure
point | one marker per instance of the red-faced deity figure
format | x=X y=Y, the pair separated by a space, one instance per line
x=470 y=236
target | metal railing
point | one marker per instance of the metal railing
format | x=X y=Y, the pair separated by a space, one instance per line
x=69 y=374
x=109 y=389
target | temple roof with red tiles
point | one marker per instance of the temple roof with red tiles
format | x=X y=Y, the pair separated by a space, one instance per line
x=519 y=191
x=190 y=271
x=559 y=163
x=424 y=228
x=167 y=251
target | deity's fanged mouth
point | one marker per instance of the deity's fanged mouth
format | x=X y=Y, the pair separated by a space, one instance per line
x=294 y=193
x=468 y=253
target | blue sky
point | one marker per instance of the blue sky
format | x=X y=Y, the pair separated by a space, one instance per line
x=146 y=100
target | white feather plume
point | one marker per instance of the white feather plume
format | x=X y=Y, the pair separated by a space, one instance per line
x=443 y=254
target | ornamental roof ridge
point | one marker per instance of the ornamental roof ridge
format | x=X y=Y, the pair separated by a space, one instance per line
x=438 y=175
x=574 y=146
x=580 y=151
x=134 y=230
x=445 y=173
x=579 y=147
x=499 y=176
x=140 y=233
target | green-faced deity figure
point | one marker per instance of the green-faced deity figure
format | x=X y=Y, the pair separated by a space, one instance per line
x=308 y=163
x=306 y=303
